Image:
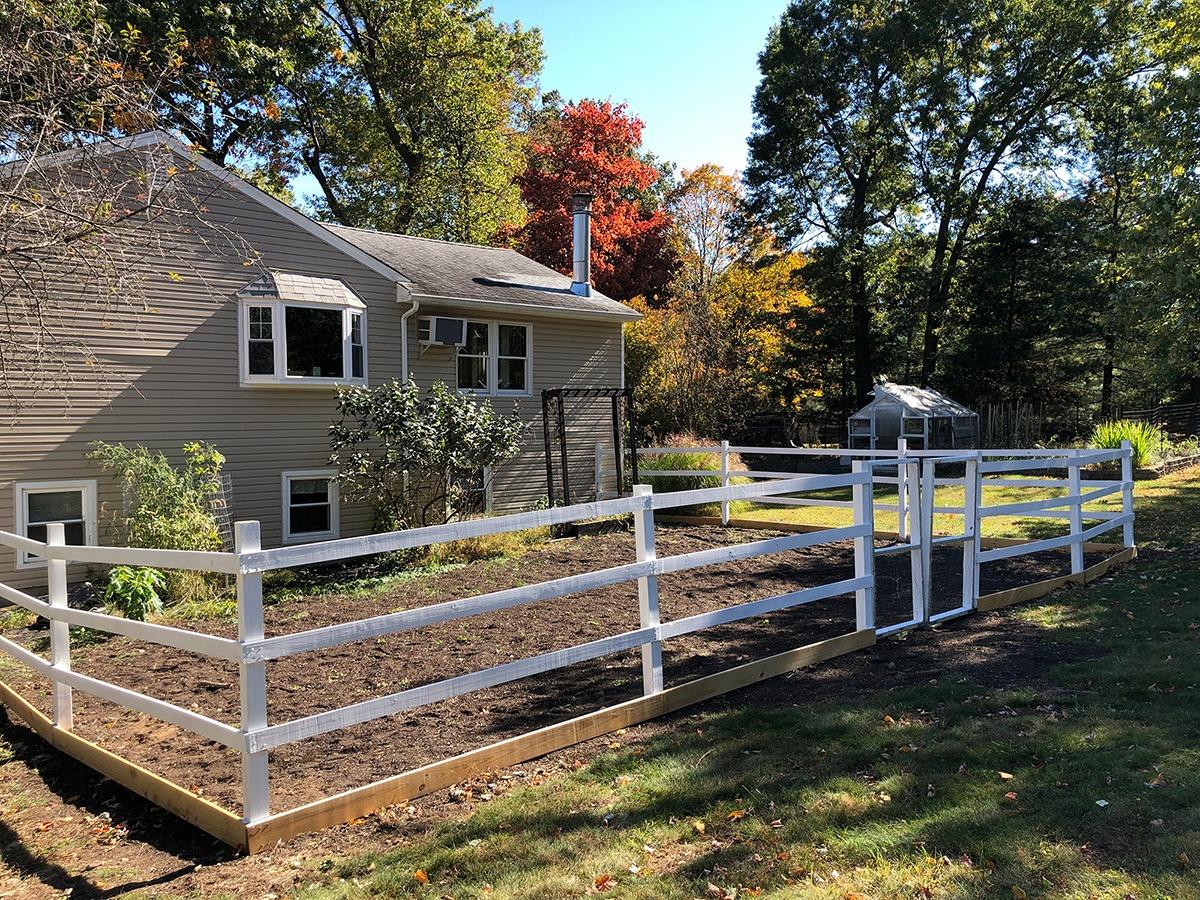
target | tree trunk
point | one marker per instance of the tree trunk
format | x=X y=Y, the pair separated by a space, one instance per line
x=1106 y=384
x=864 y=375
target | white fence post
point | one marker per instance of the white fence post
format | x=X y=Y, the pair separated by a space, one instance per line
x=972 y=500
x=643 y=530
x=864 y=546
x=1127 y=490
x=917 y=533
x=928 y=496
x=252 y=677
x=1075 y=515
x=60 y=632
x=599 y=470
x=724 y=480
x=902 y=529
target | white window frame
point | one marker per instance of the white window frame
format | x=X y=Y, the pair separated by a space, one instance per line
x=22 y=489
x=279 y=336
x=286 y=478
x=493 y=360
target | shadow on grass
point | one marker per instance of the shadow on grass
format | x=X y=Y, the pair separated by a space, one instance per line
x=1104 y=793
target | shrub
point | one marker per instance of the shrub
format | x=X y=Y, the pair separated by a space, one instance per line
x=169 y=508
x=411 y=454
x=133 y=592
x=1146 y=439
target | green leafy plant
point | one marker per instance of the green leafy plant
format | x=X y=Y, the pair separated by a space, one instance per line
x=169 y=507
x=1147 y=440
x=412 y=455
x=134 y=592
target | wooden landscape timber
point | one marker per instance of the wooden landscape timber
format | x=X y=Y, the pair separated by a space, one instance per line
x=353 y=804
x=1001 y=599
x=205 y=815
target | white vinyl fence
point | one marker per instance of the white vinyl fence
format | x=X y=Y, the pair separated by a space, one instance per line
x=253 y=736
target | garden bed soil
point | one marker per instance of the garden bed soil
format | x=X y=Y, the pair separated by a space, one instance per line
x=313 y=682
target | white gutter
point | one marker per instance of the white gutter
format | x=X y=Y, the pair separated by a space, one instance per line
x=529 y=309
x=416 y=304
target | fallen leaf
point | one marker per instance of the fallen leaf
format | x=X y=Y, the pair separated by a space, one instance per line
x=1011 y=795
x=736 y=814
x=1005 y=776
x=1018 y=894
x=420 y=877
x=1184 y=861
x=699 y=826
x=603 y=882
x=888 y=720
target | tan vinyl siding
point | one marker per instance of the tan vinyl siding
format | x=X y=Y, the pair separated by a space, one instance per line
x=169 y=374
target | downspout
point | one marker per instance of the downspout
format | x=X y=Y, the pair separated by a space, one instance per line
x=416 y=304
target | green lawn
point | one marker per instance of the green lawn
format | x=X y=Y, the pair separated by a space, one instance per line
x=947 y=496
x=1083 y=781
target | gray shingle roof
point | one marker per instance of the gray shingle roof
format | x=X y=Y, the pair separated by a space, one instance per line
x=474 y=273
x=303 y=289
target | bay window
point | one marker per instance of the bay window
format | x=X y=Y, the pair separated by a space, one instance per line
x=289 y=342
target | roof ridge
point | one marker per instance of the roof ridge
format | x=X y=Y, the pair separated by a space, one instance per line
x=415 y=237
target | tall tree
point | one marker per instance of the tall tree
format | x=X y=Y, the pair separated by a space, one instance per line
x=223 y=64
x=411 y=126
x=997 y=91
x=594 y=147
x=74 y=209
x=827 y=156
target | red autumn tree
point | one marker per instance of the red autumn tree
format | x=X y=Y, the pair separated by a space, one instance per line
x=592 y=147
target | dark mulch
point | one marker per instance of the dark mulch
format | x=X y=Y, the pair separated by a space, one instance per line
x=314 y=682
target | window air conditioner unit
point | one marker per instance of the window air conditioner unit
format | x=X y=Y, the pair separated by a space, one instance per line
x=439 y=331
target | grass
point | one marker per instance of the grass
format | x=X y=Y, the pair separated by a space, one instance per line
x=946 y=496
x=1082 y=781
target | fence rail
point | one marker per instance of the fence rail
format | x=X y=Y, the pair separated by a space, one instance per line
x=915 y=482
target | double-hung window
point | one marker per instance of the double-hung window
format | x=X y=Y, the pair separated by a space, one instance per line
x=301 y=330
x=496 y=359
x=40 y=503
x=310 y=505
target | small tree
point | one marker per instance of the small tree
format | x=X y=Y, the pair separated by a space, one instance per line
x=408 y=453
x=169 y=508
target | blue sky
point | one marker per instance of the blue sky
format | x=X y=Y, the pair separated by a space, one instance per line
x=688 y=68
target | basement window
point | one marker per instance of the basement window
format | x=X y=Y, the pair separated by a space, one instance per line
x=40 y=503
x=310 y=505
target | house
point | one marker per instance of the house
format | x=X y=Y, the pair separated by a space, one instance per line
x=245 y=345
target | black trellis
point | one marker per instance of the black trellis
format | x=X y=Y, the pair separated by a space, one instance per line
x=554 y=398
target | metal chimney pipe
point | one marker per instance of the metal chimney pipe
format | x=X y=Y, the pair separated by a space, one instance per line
x=581 y=214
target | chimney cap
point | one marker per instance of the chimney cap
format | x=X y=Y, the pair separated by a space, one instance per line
x=581 y=201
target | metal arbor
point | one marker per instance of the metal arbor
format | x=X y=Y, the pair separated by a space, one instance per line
x=553 y=405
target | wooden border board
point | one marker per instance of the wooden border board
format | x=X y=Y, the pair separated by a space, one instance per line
x=350 y=805
x=204 y=814
x=1000 y=599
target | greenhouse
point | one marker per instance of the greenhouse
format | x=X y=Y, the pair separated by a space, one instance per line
x=927 y=419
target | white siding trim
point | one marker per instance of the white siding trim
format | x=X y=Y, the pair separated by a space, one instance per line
x=285 y=505
x=531 y=309
x=22 y=489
